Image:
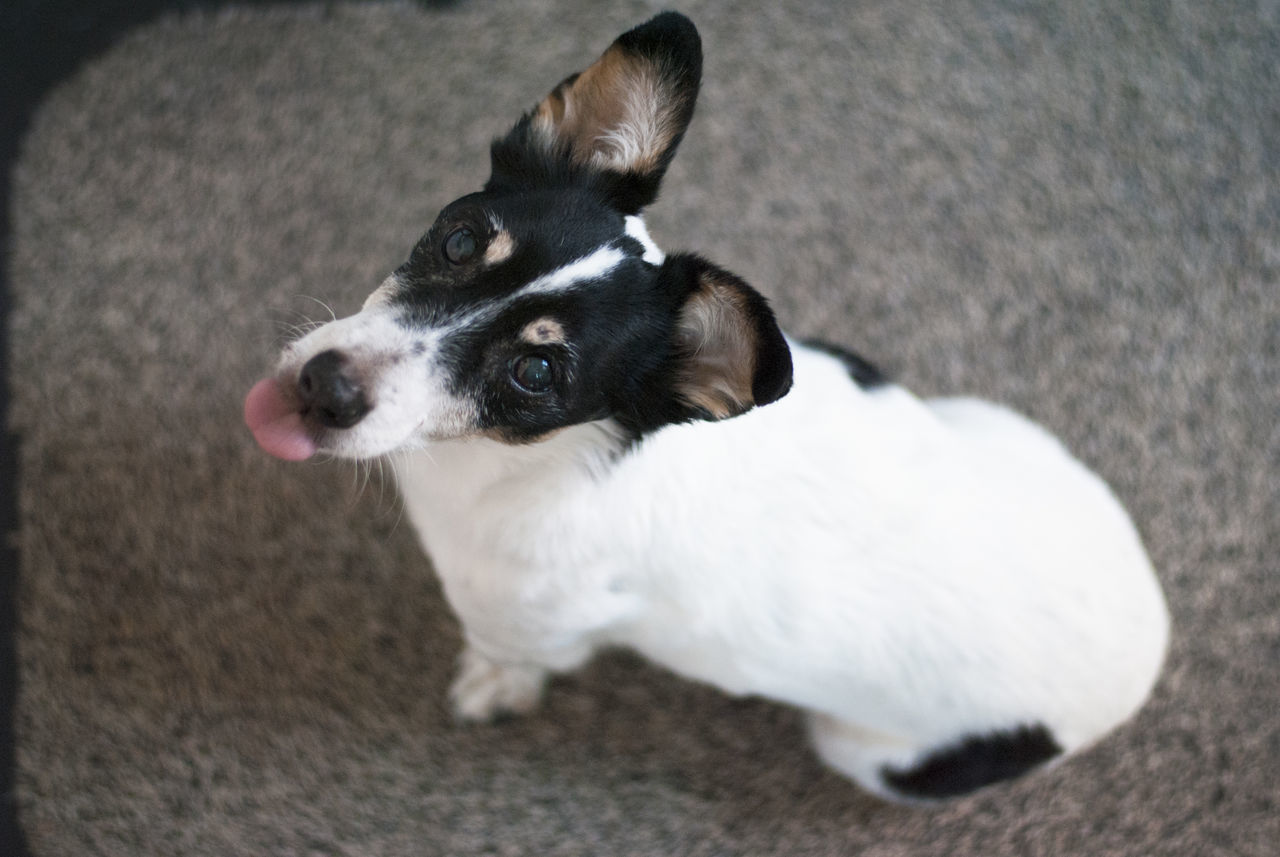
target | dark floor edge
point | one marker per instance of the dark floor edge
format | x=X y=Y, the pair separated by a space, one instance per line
x=42 y=42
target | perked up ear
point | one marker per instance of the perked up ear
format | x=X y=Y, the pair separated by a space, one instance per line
x=730 y=355
x=624 y=114
x=628 y=111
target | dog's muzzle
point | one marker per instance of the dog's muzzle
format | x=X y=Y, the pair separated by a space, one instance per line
x=330 y=394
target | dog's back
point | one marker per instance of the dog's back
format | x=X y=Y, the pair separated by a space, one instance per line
x=926 y=574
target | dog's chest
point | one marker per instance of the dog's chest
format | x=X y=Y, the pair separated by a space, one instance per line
x=550 y=578
x=522 y=558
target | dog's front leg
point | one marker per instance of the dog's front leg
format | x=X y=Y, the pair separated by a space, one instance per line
x=520 y=625
x=499 y=680
x=486 y=690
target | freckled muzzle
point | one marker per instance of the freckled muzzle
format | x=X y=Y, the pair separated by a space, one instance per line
x=359 y=387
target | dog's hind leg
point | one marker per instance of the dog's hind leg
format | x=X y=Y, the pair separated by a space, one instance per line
x=858 y=753
x=901 y=771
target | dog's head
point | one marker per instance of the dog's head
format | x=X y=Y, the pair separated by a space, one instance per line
x=540 y=302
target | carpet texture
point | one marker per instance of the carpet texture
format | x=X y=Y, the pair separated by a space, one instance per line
x=1073 y=208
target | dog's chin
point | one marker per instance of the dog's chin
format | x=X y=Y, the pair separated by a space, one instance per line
x=349 y=445
x=381 y=436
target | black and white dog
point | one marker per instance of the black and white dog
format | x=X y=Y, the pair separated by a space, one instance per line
x=604 y=445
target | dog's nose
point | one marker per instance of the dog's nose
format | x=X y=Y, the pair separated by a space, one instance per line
x=329 y=392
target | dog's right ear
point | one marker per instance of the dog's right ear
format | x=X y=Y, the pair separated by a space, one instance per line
x=623 y=116
x=728 y=353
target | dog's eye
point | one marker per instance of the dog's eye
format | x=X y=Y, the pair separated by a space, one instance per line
x=532 y=373
x=460 y=246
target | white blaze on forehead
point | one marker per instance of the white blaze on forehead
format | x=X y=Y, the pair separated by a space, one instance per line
x=590 y=267
x=635 y=229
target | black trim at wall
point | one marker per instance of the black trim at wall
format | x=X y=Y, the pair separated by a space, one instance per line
x=42 y=42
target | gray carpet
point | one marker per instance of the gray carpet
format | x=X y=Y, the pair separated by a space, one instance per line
x=1070 y=207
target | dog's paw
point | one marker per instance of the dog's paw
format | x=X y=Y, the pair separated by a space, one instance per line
x=485 y=691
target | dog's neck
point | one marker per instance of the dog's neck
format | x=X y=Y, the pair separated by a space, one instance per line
x=472 y=465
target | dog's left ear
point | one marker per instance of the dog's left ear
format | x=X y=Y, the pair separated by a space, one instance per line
x=624 y=115
x=730 y=355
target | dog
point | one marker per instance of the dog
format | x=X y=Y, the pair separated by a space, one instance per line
x=604 y=445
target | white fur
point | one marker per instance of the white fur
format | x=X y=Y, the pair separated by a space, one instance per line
x=590 y=267
x=909 y=572
x=636 y=229
x=410 y=399
x=383 y=293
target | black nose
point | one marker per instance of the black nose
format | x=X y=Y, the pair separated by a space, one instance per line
x=329 y=391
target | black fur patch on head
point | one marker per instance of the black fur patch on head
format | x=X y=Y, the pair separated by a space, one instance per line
x=518 y=164
x=546 y=228
x=974 y=762
x=647 y=345
x=610 y=335
x=864 y=373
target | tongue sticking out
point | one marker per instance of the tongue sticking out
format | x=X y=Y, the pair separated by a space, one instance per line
x=276 y=422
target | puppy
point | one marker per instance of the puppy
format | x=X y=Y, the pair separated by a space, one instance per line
x=600 y=444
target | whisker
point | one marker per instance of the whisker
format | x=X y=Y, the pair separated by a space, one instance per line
x=353 y=491
x=396 y=496
x=288 y=331
x=382 y=482
x=366 y=467
x=333 y=316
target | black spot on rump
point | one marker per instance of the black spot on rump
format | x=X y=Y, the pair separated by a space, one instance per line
x=863 y=372
x=974 y=762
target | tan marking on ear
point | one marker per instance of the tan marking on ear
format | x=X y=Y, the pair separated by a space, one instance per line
x=552 y=109
x=718 y=346
x=500 y=248
x=550 y=112
x=543 y=331
x=617 y=114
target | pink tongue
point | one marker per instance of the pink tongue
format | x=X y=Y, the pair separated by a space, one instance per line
x=276 y=422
